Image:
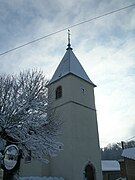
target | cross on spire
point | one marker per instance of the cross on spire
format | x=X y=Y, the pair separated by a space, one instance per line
x=69 y=35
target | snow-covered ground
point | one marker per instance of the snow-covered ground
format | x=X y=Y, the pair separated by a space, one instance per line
x=41 y=178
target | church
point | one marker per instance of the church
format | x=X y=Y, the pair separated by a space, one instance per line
x=72 y=94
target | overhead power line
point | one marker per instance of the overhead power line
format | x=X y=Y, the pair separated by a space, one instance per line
x=130 y=138
x=69 y=27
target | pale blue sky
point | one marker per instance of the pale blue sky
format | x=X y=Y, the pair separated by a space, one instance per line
x=105 y=47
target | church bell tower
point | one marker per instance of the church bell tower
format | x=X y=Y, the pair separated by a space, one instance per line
x=72 y=94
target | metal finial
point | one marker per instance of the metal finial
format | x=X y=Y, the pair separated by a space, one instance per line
x=69 y=36
x=69 y=45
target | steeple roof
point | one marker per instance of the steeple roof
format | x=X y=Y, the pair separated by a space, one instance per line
x=70 y=65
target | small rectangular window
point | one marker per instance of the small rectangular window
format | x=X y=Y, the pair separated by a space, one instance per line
x=83 y=90
x=28 y=158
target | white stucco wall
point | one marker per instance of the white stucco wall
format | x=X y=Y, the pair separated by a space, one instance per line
x=80 y=131
x=34 y=168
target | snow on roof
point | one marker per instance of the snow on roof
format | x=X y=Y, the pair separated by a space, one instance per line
x=70 y=65
x=110 y=165
x=129 y=153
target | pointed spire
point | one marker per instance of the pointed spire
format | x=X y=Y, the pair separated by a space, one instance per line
x=69 y=45
x=70 y=65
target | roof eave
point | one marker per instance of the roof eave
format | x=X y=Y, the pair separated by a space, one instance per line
x=90 y=82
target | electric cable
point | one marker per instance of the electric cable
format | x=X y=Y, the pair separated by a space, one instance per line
x=66 y=28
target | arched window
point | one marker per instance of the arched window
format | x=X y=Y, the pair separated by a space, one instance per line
x=89 y=172
x=58 y=92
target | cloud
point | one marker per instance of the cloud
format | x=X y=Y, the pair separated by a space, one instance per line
x=114 y=96
x=110 y=65
x=105 y=48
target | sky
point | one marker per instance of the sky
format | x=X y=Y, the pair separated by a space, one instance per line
x=105 y=47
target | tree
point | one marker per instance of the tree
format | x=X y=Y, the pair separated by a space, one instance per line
x=111 y=152
x=114 y=151
x=25 y=116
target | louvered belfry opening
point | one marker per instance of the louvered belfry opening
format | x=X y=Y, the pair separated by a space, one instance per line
x=58 y=92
